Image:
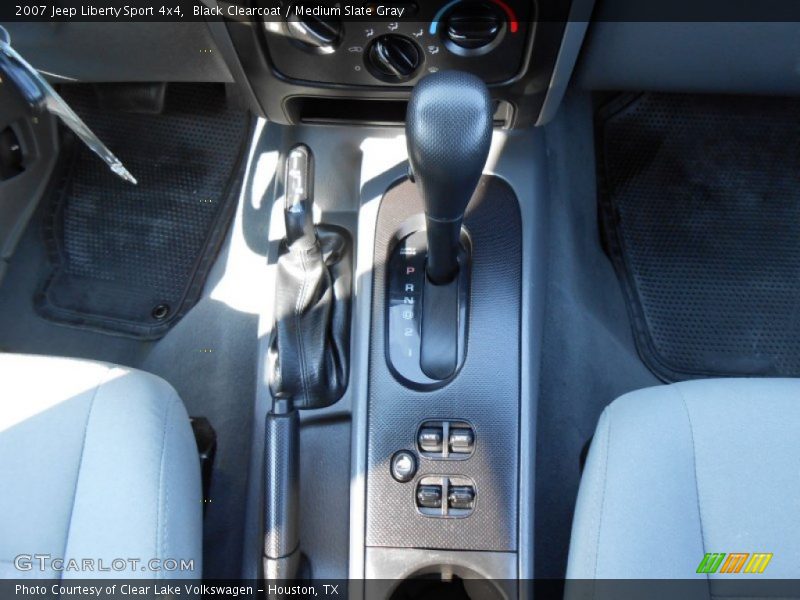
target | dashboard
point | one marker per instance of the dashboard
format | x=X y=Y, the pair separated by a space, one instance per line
x=485 y=37
x=353 y=63
x=359 y=68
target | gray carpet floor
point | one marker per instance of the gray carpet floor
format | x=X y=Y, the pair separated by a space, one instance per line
x=589 y=358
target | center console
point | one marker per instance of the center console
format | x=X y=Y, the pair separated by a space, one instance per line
x=452 y=431
x=447 y=278
x=440 y=469
x=465 y=433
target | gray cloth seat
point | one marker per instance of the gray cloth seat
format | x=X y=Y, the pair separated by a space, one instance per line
x=97 y=462
x=681 y=470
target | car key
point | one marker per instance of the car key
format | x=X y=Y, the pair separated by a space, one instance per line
x=41 y=96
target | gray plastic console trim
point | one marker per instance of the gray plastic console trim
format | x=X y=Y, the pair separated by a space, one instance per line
x=222 y=39
x=521 y=160
x=574 y=33
x=384 y=164
x=732 y=58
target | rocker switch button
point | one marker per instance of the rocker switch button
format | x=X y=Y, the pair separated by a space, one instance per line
x=461 y=497
x=429 y=496
x=431 y=439
x=461 y=441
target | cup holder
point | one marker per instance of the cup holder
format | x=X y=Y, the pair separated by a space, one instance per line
x=448 y=582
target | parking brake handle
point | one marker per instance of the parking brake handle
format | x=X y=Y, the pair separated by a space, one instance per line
x=308 y=353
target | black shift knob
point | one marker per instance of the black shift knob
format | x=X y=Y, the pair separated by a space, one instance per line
x=448 y=132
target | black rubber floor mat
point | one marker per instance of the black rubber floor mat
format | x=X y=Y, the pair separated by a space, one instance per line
x=133 y=259
x=700 y=210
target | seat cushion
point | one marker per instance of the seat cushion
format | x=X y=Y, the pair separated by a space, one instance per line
x=677 y=471
x=97 y=462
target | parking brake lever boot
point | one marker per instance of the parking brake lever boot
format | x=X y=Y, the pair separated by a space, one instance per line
x=311 y=337
x=448 y=133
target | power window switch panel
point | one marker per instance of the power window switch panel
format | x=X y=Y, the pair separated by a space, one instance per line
x=461 y=441
x=431 y=439
x=429 y=496
x=461 y=497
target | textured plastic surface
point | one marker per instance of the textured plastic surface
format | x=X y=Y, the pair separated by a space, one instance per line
x=701 y=211
x=485 y=392
x=121 y=250
x=281 y=484
x=448 y=132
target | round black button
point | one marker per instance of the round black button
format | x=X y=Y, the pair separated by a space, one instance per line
x=404 y=466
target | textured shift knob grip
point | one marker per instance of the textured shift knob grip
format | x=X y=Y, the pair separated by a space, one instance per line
x=448 y=132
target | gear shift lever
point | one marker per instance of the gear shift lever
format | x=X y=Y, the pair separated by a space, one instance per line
x=448 y=132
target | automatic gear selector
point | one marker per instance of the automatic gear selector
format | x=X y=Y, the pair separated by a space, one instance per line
x=448 y=132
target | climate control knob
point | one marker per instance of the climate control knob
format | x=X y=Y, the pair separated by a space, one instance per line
x=473 y=28
x=393 y=58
